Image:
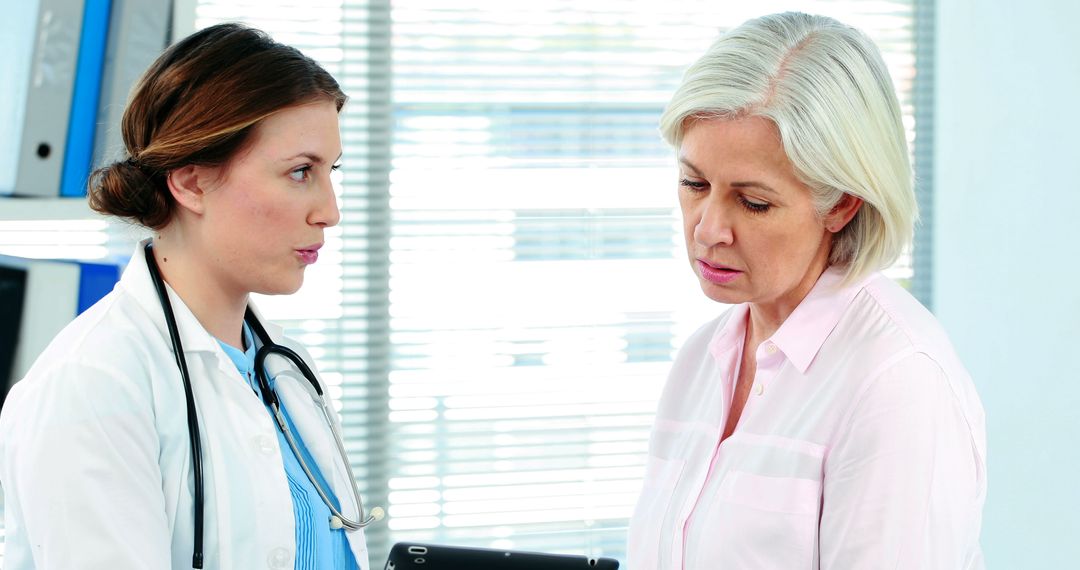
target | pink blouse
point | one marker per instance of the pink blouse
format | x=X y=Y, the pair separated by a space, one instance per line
x=862 y=444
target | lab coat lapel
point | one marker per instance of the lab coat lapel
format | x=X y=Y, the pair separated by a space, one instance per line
x=199 y=345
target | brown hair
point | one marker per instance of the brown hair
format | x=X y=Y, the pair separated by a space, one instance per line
x=199 y=103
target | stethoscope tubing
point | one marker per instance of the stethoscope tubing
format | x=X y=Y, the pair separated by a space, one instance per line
x=270 y=399
x=189 y=396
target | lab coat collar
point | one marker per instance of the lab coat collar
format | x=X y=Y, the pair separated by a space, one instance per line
x=275 y=331
x=137 y=282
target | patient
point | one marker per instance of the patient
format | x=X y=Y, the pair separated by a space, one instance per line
x=822 y=421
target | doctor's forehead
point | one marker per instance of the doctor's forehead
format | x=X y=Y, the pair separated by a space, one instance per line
x=310 y=130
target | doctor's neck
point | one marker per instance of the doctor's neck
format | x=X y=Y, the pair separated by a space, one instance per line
x=214 y=298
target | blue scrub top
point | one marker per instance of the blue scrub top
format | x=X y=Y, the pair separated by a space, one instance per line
x=318 y=547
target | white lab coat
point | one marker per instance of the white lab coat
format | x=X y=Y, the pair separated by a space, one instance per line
x=95 y=459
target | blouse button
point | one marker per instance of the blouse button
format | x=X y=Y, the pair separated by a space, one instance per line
x=279 y=558
x=770 y=348
x=759 y=389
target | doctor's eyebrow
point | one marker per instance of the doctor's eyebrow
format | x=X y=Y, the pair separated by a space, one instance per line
x=311 y=156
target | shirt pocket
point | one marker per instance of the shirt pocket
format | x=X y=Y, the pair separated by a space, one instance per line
x=654 y=503
x=766 y=522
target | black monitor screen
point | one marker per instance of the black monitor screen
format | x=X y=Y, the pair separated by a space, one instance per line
x=12 y=294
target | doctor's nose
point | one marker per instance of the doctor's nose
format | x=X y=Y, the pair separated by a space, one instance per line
x=326 y=212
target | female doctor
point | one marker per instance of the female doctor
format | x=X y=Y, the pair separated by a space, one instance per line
x=145 y=436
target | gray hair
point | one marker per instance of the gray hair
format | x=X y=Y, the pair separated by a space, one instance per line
x=826 y=88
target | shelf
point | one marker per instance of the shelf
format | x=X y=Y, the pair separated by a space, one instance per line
x=46 y=209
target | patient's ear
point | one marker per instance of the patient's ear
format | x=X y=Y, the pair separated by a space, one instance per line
x=842 y=213
x=189 y=184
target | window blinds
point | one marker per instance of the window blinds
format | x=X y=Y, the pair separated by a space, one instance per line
x=538 y=282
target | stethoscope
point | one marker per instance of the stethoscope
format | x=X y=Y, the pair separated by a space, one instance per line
x=269 y=397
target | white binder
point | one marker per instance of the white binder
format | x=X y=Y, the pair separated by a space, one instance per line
x=48 y=97
x=17 y=35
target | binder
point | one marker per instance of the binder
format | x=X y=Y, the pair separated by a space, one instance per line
x=48 y=97
x=82 y=121
x=53 y=292
x=138 y=33
x=17 y=33
x=69 y=97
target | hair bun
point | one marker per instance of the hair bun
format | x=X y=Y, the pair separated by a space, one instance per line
x=127 y=189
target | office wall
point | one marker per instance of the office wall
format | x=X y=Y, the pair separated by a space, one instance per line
x=1006 y=271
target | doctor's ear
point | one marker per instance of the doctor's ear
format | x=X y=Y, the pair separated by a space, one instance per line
x=189 y=185
x=842 y=213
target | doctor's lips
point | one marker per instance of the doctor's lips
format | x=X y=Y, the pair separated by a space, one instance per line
x=719 y=274
x=309 y=254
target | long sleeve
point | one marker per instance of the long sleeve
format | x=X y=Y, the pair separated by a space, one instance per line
x=83 y=489
x=902 y=483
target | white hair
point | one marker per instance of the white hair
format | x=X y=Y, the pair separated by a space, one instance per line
x=826 y=88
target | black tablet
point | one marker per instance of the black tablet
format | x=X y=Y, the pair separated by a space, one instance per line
x=416 y=556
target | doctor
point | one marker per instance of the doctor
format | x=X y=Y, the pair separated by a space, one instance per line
x=111 y=455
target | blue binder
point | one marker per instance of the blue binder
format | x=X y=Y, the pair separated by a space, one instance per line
x=138 y=33
x=82 y=122
x=95 y=281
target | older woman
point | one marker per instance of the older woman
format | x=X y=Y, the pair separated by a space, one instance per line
x=823 y=421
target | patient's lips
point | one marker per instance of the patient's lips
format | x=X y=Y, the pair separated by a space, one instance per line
x=717 y=273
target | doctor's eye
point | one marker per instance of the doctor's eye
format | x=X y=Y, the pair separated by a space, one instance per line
x=300 y=174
